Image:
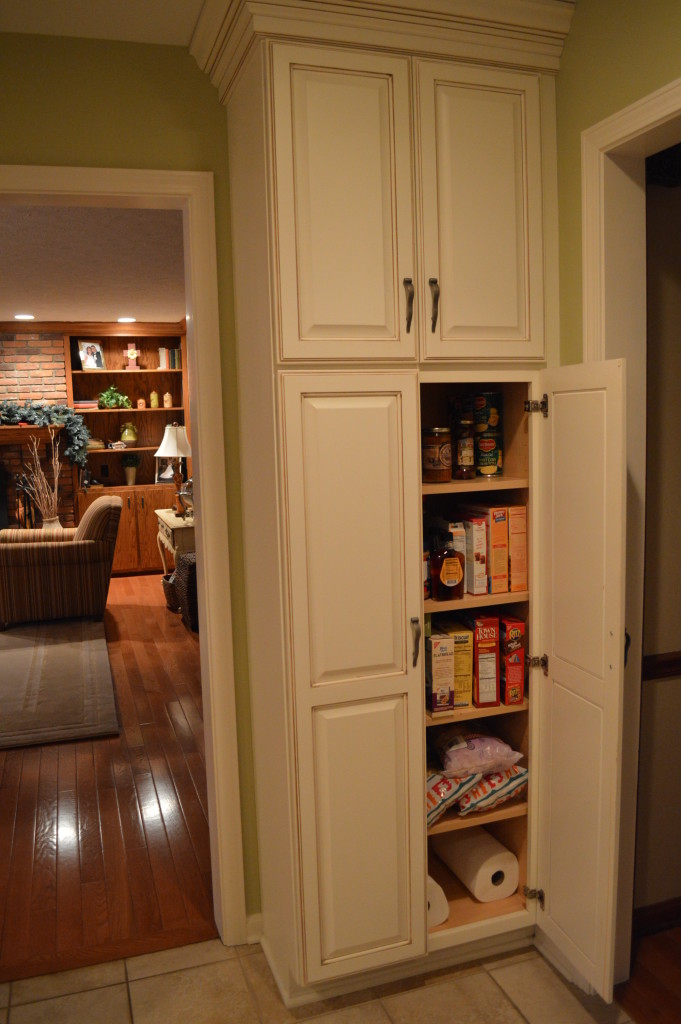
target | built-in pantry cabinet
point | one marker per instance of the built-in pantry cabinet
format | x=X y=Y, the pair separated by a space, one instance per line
x=358 y=177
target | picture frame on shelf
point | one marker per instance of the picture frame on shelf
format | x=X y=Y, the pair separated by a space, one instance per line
x=91 y=355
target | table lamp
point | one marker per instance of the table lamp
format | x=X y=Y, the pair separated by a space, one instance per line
x=175 y=446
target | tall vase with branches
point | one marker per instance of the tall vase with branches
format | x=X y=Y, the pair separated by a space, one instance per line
x=35 y=485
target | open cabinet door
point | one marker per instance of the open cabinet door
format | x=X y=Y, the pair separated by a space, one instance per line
x=578 y=763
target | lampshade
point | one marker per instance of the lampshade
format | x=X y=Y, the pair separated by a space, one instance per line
x=175 y=443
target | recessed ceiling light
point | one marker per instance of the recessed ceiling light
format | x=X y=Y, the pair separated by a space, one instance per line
x=127 y=319
x=24 y=316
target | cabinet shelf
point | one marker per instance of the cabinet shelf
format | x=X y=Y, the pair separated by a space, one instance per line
x=128 y=412
x=108 y=373
x=121 y=451
x=480 y=485
x=464 y=714
x=452 y=822
x=431 y=607
x=463 y=908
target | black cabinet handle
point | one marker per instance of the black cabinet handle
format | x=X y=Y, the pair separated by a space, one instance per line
x=409 y=289
x=435 y=294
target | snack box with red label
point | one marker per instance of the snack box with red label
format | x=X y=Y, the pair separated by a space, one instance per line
x=512 y=641
x=486 y=677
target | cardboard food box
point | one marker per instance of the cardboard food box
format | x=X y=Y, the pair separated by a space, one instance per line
x=439 y=672
x=512 y=644
x=476 y=555
x=517 y=548
x=463 y=661
x=496 y=534
x=486 y=676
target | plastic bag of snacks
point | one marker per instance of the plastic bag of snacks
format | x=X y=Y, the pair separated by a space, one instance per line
x=443 y=792
x=464 y=753
x=494 y=789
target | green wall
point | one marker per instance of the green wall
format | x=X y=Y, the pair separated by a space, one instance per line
x=617 y=52
x=86 y=103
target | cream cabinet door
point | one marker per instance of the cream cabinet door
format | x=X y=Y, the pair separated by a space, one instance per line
x=343 y=197
x=582 y=548
x=352 y=479
x=481 y=199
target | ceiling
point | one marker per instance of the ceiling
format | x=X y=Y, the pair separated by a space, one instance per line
x=79 y=263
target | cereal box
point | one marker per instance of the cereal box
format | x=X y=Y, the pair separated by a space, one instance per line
x=463 y=660
x=476 y=554
x=496 y=535
x=439 y=672
x=485 y=659
x=517 y=548
x=512 y=642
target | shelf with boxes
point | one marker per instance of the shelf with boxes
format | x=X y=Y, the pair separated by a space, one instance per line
x=476 y=612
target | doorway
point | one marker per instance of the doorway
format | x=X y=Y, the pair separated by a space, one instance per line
x=192 y=194
x=615 y=324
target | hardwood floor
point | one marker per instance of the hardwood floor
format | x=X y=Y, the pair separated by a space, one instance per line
x=653 y=993
x=104 y=846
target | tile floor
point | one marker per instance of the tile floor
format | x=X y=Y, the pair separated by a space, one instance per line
x=209 y=983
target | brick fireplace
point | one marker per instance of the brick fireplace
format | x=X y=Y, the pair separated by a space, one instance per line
x=33 y=367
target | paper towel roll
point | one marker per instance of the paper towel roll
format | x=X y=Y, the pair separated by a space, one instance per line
x=438 y=907
x=485 y=866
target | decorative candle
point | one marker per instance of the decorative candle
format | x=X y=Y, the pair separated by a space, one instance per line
x=167 y=400
x=153 y=399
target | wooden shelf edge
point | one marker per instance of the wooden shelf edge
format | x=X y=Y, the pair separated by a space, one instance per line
x=431 y=607
x=463 y=714
x=129 y=412
x=479 y=484
x=122 y=451
x=140 y=369
x=452 y=822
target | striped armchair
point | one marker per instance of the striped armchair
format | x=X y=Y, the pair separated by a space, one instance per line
x=59 y=574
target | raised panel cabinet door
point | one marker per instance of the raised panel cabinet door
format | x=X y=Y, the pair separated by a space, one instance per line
x=582 y=548
x=344 y=203
x=481 y=200
x=126 y=553
x=352 y=478
x=148 y=501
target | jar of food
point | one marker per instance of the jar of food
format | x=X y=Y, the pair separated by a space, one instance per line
x=465 y=445
x=436 y=454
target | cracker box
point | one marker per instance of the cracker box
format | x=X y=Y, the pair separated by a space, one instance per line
x=439 y=672
x=476 y=554
x=512 y=644
x=463 y=661
x=496 y=535
x=486 y=676
x=517 y=548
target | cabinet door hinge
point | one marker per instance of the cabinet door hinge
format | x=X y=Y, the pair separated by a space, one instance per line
x=532 y=405
x=532 y=661
x=534 y=894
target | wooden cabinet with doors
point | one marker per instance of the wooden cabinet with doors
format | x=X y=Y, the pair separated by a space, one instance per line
x=332 y=493
x=136 y=547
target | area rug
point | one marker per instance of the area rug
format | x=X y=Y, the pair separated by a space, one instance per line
x=55 y=683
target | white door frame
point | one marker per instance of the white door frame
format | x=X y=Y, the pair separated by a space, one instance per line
x=614 y=322
x=192 y=193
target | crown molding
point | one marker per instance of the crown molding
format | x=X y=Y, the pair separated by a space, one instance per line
x=527 y=34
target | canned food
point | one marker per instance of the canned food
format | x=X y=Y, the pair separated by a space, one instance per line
x=488 y=454
x=436 y=454
x=488 y=412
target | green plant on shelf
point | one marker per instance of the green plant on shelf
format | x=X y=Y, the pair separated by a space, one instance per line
x=131 y=459
x=112 y=398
